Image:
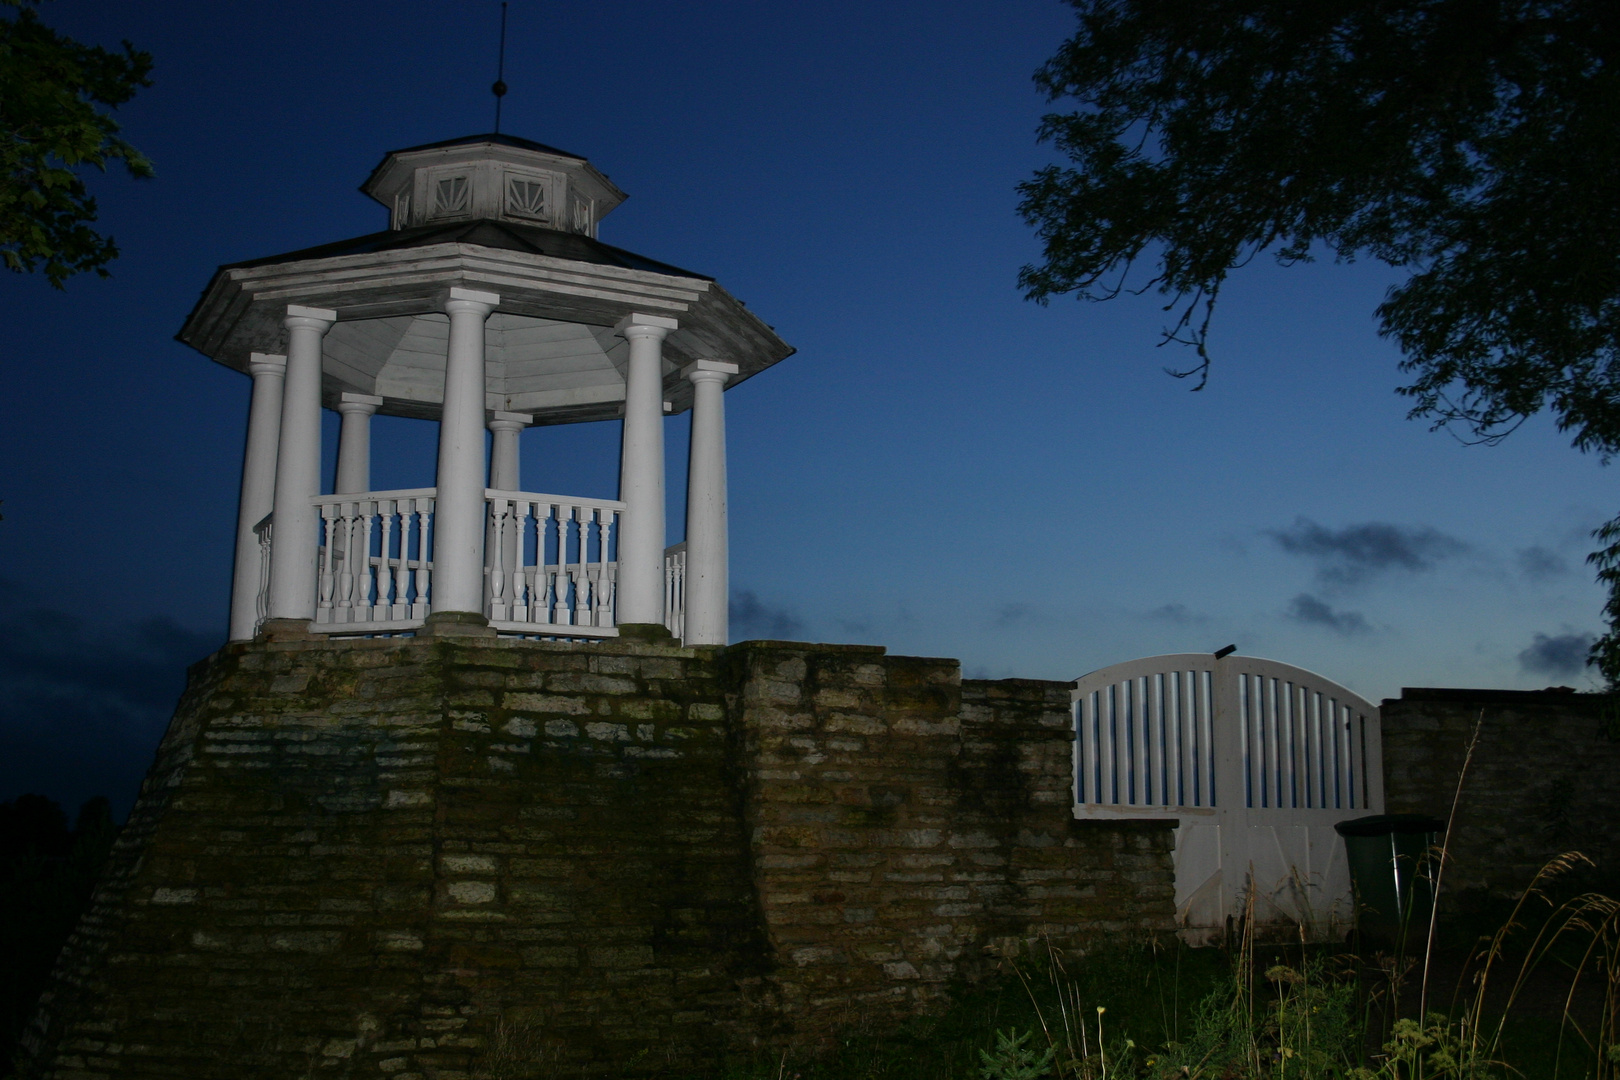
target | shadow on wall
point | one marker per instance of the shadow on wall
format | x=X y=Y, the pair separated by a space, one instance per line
x=82 y=708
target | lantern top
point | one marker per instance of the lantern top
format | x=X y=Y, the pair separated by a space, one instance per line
x=492 y=177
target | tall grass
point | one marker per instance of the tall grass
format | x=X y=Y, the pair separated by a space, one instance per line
x=1252 y=1011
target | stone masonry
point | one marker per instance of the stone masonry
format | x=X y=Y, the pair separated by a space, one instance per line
x=1541 y=782
x=418 y=858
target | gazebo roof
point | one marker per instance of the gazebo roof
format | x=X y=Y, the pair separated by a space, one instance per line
x=472 y=140
x=521 y=224
x=503 y=235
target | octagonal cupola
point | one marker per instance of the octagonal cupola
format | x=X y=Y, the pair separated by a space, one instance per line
x=492 y=177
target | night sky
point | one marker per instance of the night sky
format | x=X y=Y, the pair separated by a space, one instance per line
x=943 y=468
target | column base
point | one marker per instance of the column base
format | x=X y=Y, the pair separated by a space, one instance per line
x=649 y=632
x=286 y=630
x=456 y=624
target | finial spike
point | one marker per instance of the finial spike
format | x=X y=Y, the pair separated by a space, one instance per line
x=499 y=89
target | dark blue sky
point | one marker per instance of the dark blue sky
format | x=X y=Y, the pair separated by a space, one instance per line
x=943 y=468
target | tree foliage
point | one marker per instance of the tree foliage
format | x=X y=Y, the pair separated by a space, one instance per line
x=1473 y=142
x=54 y=93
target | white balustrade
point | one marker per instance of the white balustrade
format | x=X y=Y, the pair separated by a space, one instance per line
x=375 y=558
x=675 y=589
x=552 y=563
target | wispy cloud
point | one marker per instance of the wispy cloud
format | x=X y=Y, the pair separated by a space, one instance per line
x=1351 y=555
x=1014 y=614
x=1541 y=564
x=1312 y=611
x=751 y=617
x=1559 y=655
x=1180 y=614
x=82 y=707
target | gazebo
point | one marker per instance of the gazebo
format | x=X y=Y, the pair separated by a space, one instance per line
x=488 y=303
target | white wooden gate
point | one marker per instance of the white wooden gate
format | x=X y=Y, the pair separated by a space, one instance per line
x=1257 y=759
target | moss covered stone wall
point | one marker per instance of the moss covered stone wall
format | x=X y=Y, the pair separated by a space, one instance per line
x=1543 y=779
x=427 y=857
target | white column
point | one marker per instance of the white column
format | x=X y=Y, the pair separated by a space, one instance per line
x=458 y=514
x=707 y=557
x=354 y=443
x=293 y=539
x=641 y=473
x=258 y=489
x=504 y=427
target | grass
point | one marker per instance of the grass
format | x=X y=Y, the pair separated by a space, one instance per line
x=1535 y=997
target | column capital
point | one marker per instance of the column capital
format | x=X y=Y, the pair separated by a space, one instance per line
x=365 y=404
x=709 y=371
x=509 y=421
x=267 y=364
x=315 y=318
x=639 y=325
x=458 y=299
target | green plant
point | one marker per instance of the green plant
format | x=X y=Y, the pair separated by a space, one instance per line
x=1013 y=1059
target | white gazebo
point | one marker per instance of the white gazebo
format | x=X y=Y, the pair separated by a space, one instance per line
x=488 y=303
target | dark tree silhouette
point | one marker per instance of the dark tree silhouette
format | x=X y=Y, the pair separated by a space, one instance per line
x=1471 y=142
x=54 y=97
x=47 y=874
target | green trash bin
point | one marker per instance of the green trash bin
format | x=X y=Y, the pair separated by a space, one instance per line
x=1392 y=869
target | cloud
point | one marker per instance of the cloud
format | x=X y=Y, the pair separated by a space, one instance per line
x=1540 y=564
x=753 y=618
x=1011 y=615
x=1307 y=609
x=1351 y=555
x=1180 y=614
x=1564 y=654
x=83 y=706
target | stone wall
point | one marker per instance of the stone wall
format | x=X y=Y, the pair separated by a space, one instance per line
x=411 y=858
x=1542 y=780
x=909 y=827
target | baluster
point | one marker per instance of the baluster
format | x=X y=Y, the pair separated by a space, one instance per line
x=564 y=614
x=603 y=593
x=345 y=563
x=520 y=568
x=533 y=573
x=263 y=605
x=556 y=595
x=366 y=595
x=669 y=594
x=385 y=564
x=419 y=606
x=585 y=608
x=402 y=566
x=323 y=612
x=588 y=579
x=540 y=603
x=677 y=608
x=541 y=612
x=581 y=615
x=500 y=512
